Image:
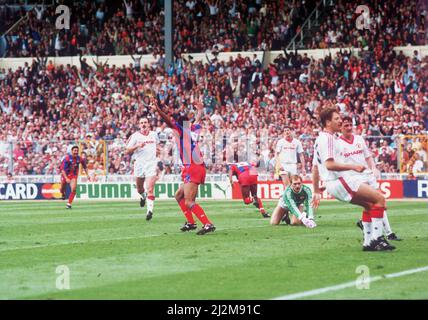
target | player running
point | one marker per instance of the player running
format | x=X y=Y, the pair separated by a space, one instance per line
x=70 y=172
x=354 y=150
x=295 y=199
x=353 y=189
x=142 y=145
x=287 y=149
x=246 y=173
x=193 y=170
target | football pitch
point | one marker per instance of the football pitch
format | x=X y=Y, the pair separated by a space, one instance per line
x=107 y=250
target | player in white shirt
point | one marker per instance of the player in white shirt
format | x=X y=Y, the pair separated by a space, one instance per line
x=287 y=149
x=353 y=149
x=354 y=189
x=143 y=147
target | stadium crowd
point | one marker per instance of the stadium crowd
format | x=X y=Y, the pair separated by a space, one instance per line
x=397 y=23
x=136 y=27
x=42 y=106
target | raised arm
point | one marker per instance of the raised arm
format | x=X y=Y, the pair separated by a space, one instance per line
x=164 y=116
x=200 y=107
x=96 y=64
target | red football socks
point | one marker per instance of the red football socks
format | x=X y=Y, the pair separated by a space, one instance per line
x=377 y=212
x=366 y=216
x=259 y=201
x=199 y=212
x=71 y=198
x=186 y=211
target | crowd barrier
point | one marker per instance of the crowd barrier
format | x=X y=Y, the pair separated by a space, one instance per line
x=220 y=190
x=148 y=60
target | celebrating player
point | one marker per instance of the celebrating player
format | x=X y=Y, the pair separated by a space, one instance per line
x=193 y=170
x=246 y=173
x=353 y=189
x=295 y=199
x=287 y=149
x=69 y=173
x=354 y=150
x=142 y=144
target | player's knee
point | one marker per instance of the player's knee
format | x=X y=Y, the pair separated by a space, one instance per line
x=294 y=221
x=178 y=195
x=381 y=202
x=274 y=222
x=189 y=203
x=150 y=192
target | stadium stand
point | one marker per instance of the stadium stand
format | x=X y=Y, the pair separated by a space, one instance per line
x=44 y=106
x=134 y=27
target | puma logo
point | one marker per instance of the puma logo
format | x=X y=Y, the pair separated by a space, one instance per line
x=221 y=189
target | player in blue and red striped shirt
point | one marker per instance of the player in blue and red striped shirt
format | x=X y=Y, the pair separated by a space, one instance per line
x=69 y=173
x=193 y=170
x=247 y=175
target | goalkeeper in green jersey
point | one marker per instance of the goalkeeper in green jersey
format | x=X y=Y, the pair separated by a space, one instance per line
x=295 y=200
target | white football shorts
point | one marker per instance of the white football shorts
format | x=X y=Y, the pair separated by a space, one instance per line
x=145 y=169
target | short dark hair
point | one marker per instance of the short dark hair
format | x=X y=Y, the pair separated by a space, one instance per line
x=74 y=147
x=347 y=118
x=327 y=114
x=296 y=177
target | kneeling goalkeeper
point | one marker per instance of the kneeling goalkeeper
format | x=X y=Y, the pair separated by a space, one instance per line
x=295 y=200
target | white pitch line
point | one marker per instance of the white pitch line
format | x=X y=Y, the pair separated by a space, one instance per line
x=348 y=284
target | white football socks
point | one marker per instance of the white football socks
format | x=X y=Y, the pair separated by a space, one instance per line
x=150 y=205
x=367 y=231
x=377 y=227
x=386 y=226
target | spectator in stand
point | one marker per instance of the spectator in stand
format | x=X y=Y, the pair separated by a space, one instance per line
x=130 y=27
x=44 y=108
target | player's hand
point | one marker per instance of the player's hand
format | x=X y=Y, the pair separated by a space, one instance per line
x=359 y=168
x=316 y=198
x=142 y=144
x=67 y=180
x=309 y=223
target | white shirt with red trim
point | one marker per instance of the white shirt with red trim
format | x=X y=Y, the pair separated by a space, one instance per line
x=353 y=151
x=147 y=153
x=288 y=150
x=326 y=147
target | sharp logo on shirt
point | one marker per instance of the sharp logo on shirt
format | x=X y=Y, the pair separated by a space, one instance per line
x=289 y=148
x=352 y=153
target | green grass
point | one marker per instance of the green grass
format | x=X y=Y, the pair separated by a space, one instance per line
x=113 y=253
